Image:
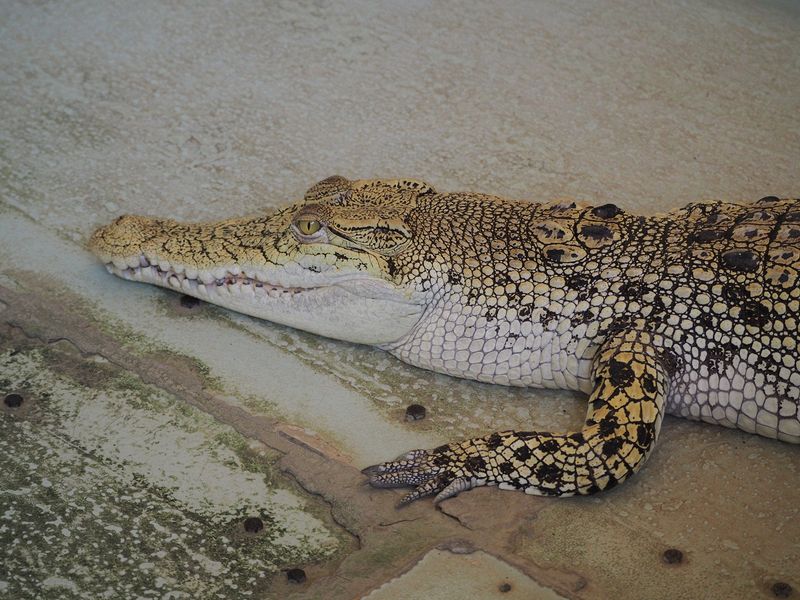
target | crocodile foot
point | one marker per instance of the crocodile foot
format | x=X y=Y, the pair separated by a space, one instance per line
x=444 y=471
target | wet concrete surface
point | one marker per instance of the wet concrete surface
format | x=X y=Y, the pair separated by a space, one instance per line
x=149 y=430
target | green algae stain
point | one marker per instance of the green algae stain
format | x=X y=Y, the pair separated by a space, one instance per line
x=124 y=491
x=74 y=529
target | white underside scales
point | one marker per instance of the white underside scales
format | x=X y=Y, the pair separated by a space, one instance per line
x=738 y=396
x=465 y=346
x=458 y=341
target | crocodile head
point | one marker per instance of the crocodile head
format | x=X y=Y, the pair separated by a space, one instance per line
x=324 y=264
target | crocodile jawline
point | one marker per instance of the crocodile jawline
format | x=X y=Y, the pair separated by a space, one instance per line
x=205 y=283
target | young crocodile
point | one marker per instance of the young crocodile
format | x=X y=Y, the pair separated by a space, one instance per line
x=695 y=313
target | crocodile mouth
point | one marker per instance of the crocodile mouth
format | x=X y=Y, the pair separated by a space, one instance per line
x=244 y=265
x=203 y=283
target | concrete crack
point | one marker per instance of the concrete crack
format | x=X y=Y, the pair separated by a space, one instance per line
x=329 y=503
x=441 y=509
x=399 y=521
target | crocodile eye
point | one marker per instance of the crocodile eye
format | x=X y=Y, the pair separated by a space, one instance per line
x=308 y=226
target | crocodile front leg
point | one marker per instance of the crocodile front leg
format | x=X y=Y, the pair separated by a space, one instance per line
x=624 y=419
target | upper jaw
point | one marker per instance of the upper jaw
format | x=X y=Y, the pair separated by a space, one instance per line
x=202 y=283
x=152 y=250
x=145 y=266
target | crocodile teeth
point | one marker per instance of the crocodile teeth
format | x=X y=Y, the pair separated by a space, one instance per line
x=206 y=283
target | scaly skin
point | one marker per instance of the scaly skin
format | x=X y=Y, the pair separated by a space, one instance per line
x=694 y=313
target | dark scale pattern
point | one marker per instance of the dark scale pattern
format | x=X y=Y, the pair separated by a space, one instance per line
x=694 y=313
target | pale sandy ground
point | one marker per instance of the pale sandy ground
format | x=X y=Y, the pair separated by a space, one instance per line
x=149 y=431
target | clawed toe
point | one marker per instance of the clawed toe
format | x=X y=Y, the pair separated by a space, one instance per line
x=373 y=470
x=454 y=488
x=387 y=480
x=410 y=469
x=405 y=462
x=431 y=486
x=399 y=478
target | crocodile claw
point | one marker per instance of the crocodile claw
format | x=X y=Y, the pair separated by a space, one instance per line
x=423 y=470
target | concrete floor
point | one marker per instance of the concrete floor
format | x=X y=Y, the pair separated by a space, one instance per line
x=150 y=431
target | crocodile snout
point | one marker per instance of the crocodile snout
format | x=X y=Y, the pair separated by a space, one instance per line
x=124 y=237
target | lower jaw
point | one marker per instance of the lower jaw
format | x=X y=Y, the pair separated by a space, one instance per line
x=332 y=311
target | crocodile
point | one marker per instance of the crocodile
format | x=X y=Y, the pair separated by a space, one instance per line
x=693 y=313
